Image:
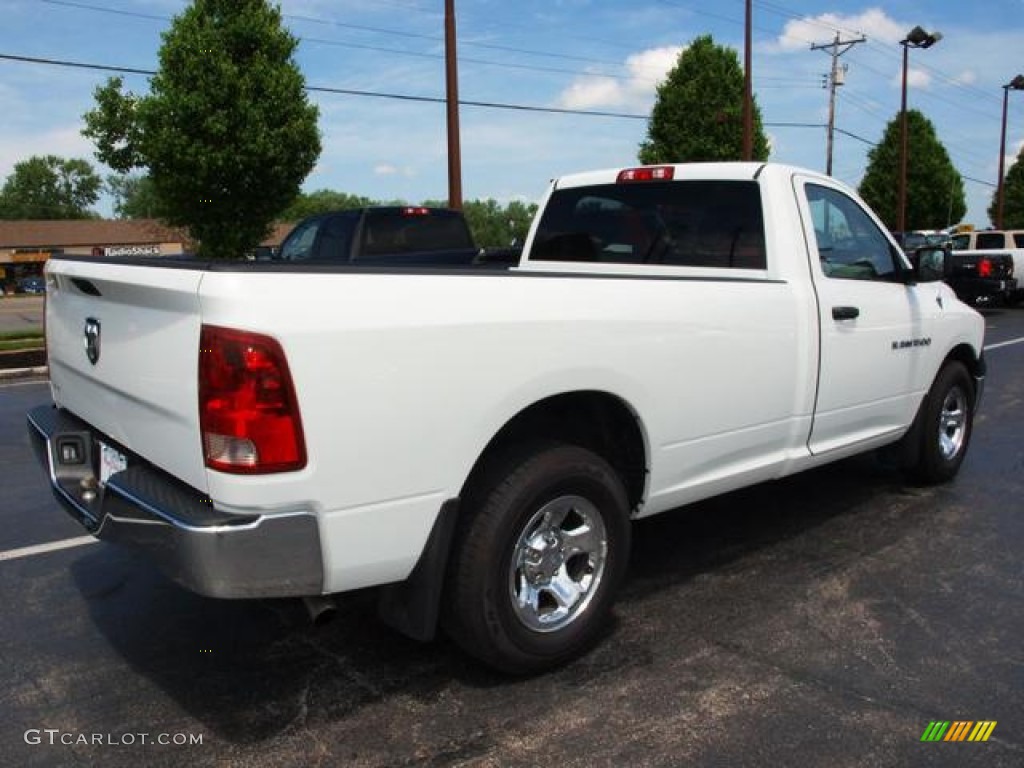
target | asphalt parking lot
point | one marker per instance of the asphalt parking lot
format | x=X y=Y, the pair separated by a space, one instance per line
x=825 y=619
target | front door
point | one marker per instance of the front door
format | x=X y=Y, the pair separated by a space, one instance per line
x=874 y=341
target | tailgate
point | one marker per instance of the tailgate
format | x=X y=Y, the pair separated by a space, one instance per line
x=123 y=346
x=998 y=266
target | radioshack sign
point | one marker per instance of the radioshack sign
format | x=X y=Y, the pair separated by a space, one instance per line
x=132 y=250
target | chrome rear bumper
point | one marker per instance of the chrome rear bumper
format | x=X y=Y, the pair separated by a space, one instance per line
x=211 y=552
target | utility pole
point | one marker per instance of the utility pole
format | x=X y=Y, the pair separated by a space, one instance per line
x=836 y=78
x=452 y=99
x=748 y=83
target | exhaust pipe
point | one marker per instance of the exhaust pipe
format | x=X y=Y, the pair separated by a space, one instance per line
x=321 y=609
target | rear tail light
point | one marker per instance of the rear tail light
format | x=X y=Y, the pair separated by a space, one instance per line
x=248 y=414
x=649 y=173
x=415 y=211
x=985 y=268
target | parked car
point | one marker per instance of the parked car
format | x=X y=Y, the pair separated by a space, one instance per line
x=32 y=284
x=979 y=278
x=911 y=241
x=381 y=234
x=389 y=235
x=476 y=442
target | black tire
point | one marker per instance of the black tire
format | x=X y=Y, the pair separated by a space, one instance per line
x=941 y=433
x=538 y=524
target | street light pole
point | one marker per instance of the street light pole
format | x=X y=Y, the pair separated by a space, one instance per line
x=916 y=38
x=901 y=204
x=1017 y=84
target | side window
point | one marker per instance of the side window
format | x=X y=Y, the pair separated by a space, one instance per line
x=1018 y=239
x=715 y=224
x=336 y=237
x=961 y=242
x=299 y=244
x=850 y=245
x=990 y=241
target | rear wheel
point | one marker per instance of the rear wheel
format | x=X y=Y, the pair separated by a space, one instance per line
x=542 y=548
x=943 y=426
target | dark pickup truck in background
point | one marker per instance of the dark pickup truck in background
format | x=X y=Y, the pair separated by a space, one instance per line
x=979 y=279
x=389 y=235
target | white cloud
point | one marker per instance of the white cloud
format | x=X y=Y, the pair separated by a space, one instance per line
x=872 y=23
x=917 y=78
x=967 y=77
x=636 y=88
x=387 y=169
x=1012 y=153
x=64 y=142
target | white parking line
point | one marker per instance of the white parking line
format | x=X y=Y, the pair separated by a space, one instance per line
x=1005 y=343
x=40 y=549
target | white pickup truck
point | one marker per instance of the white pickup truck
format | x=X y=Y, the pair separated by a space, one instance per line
x=476 y=440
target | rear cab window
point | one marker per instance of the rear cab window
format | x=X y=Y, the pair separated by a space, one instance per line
x=413 y=230
x=715 y=224
x=990 y=241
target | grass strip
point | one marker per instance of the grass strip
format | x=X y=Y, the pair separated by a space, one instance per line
x=33 y=334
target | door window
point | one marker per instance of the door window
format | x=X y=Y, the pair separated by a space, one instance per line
x=850 y=244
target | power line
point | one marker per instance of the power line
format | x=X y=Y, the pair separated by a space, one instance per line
x=875 y=144
x=359 y=92
x=343 y=91
x=358 y=28
x=885 y=48
x=116 y=11
x=77 y=64
x=465 y=59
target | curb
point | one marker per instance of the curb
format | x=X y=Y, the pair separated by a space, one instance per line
x=14 y=374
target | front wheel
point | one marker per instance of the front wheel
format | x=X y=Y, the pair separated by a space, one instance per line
x=542 y=548
x=943 y=427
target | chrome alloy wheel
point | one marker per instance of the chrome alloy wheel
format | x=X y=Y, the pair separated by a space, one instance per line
x=558 y=564
x=952 y=423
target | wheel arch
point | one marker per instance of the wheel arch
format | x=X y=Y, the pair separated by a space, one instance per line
x=964 y=353
x=596 y=420
x=599 y=421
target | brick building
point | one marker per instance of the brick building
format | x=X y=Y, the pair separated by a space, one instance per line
x=26 y=245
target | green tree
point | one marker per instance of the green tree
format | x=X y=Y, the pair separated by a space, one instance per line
x=135 y=197
x=1013 y=196
x=496 y=225
x=698 y=114
x=50 y=187
x=322 y=201
x=226 y=132
x=935 y=190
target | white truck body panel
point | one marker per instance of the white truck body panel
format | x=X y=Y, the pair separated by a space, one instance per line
x=404 y=379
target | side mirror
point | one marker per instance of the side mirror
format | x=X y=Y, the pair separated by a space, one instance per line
x=930 y=263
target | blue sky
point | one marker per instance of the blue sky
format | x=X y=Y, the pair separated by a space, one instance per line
x=597 y=55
